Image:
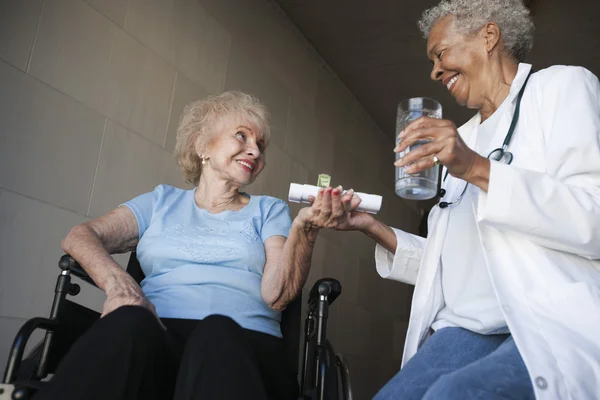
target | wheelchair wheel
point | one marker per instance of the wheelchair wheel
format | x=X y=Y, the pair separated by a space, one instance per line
x=343 y=375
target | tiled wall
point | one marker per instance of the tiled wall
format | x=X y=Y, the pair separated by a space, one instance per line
x=90 y=94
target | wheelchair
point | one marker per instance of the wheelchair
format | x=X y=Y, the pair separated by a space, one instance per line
x=325 y=375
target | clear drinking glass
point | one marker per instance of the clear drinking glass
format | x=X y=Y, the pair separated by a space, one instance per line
x=422 y=185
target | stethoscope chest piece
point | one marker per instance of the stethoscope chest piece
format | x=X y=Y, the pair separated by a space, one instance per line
x=501 y=155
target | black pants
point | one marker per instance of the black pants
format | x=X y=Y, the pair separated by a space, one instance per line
x=127 y=355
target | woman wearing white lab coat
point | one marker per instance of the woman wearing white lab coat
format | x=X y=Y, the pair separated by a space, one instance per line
x=507 y=296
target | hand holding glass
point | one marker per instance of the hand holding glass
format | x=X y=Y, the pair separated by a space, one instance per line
x=422 y=185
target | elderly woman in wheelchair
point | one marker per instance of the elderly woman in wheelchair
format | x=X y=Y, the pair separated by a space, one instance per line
x=220 y=265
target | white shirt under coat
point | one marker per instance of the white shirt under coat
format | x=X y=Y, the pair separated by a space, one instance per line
x=539 y=233
x=469 y=298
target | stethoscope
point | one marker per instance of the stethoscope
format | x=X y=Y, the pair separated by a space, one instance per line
x=500 y=154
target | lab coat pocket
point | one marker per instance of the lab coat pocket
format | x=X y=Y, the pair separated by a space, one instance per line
x=568 y=318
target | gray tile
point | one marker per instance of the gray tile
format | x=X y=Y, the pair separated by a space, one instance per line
x=275 y=179
x=73 y=49
x=333 y=107
x=247 y=74
x=50 y=143
x=217 y=42
x=185 y=92
x=172 y=173
x=154 y=23
x=115 y=10
x=129 y=165
x=291 y=62
x=298 y=174
x=349 y=327
x=121 y=259
x=399 y=336
x=276 y=97
x=103 y=67
x=203 y=46
x=385 y=160
x=364 y=138
x=8 y=330
x=90 y=296
x=188 y=47
x=382 y=334
x=18 y=24
x=244 y=71
x=325 y=152
x=140 y=87
x=182 y=33
x=317 y=263
x=342 y=265
x=249 y=19
x=301 y=139
x=30 y=247
x=347 y=169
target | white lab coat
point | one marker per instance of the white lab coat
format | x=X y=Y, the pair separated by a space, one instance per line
x=539 y=227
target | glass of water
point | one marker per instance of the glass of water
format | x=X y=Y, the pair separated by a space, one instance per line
x=422 y=185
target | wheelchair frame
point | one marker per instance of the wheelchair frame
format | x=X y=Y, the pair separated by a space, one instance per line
x=324 y=376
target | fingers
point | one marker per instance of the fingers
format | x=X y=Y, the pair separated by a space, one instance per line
x=346 y=200
x=425 y=122
x=319 y=200
x=424 y=151
x=429 y=134
x=433 y=134
x=331 y=207
x=325 y=210
x=355 y=203
x=112 y=304
x=420 y=165
x=153 y=310
x=337 y=208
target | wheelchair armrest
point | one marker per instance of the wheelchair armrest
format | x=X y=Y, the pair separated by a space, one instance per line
x=68 y=263
x=18 y=346
x=328 y=287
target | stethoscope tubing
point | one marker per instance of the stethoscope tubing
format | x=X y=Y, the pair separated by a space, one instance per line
x=499 y=154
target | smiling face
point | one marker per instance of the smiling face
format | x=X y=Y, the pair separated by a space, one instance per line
x=235 y=152
x=459 y=62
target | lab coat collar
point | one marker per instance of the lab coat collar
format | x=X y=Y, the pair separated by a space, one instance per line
x=519 y=80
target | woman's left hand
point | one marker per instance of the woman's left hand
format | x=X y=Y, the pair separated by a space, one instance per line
x=446 y=144
x=332 y=209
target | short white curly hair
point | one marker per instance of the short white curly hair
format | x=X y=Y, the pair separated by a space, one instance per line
x=511 y=16
x=200 y=121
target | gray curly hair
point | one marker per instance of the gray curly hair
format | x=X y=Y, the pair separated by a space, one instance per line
x=511 y=16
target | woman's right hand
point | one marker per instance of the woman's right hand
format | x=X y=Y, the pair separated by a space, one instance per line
x=357 y=220
x=124 y=291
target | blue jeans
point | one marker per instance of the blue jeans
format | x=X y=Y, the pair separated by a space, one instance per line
x=457 y=364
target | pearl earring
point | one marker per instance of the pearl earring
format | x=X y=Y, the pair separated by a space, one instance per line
x=490 y=53
x=204 y=161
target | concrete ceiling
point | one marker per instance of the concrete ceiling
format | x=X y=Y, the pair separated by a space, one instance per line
x=376 y=48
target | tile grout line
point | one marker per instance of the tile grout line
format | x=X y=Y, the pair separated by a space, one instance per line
x=170 y=110
x=97 y=166
x=12 y=318
x=126 y=15
x=37 y=29
x=227 y=60
x=46 y=202
x=107 y=72
x=99 y=113
x=287 y=23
